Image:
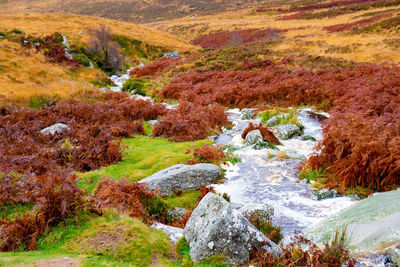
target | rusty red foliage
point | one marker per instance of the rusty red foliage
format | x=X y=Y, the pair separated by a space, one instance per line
x=235 y=38
x=130 y=198
x=207 y=154
x=53 y=48
x=190 y=122
x=155 y=68
x=294 y=254
x=359 y=23
x=265 y=132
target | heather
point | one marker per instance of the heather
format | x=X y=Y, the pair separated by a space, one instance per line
x=235 y=38
x=368 y=146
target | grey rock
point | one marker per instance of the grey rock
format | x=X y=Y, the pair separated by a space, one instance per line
x=182 y=177
x=395 y=254
x=273 y=121
x=264 y=211
x=56 y=128
x=81 y=32
x=371 y=223
x=254 y=137
x=246 y=114
x=216 y=228
x=308 y=138
x=287 y=131
x=173 y=233
x=176 y=213
x=325 y=193
x=171 y=55
x=152 y=122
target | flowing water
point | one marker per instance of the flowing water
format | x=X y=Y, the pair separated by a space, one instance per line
x=274 y=181
x=259 y=178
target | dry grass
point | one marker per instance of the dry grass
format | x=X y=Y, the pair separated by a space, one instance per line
x=25 y=73
x=71 y=25
x=301 y=35
x=130 y=10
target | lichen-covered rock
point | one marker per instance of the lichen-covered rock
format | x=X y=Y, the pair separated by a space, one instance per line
x=395 y=254
x=182 y=177
x=247 y=114
x=287 y=131
x=56 y=128
x=254 y=137
x=173 y=233
x=371 y=223
x=273 y=121
x=216 y=228
x=264 y=211
x=176 y=213
x=325 y=193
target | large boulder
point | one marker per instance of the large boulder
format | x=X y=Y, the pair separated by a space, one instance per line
x=216 y=228
x=287 y=131
x=182 y=177
x=371 y=224
x=56 y=128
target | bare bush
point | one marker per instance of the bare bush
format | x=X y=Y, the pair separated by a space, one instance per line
x=108 y=52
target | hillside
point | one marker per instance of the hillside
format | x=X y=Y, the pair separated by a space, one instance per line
x=130 y=10
x=341 y=32
x=25 y=73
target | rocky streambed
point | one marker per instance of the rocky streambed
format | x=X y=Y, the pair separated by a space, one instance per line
x=263 y=178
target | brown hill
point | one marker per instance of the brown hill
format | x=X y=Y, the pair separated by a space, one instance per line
x=129 y=10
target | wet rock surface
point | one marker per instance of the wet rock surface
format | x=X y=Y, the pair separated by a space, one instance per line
x=216 y=228
x=173 y=233
x=288 y=131
x=182 y=177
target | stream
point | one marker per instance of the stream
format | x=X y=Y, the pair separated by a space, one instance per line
x=259 y=178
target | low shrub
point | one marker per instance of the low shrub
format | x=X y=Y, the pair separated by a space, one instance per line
x=207 y=154
x=135 y=85
x=303 y=252
x=155 y=68
x=357 y=24
x=190 y=122
x=236 y=38
x=135 y=199
x=267 y=135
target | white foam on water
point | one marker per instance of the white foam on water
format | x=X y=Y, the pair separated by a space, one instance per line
x=260 y=179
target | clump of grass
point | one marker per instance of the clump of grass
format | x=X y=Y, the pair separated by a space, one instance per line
x=182 y=249
x=143 y=156
x=113 y=237
x=135 y=85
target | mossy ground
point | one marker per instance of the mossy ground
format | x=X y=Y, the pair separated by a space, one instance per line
x=108 y=240
x=143 y=156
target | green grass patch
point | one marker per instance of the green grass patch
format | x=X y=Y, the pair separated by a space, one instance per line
x=182 y=248
x=110 y=238
x=27 y=258
x=14 y=210
x=187 y=199
x=143 y=156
